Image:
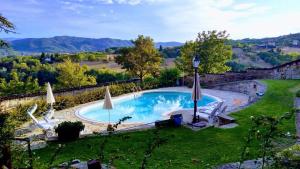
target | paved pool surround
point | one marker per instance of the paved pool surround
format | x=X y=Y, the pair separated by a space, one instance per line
x=233 y=100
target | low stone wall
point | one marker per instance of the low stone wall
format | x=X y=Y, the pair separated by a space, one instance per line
x=248 y=87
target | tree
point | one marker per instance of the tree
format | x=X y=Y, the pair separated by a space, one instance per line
x=184 y=61
x=211 y=48
x=142 y=59
x=73 y=75
x=6 y=133
x=7 y=27
x=169 y=76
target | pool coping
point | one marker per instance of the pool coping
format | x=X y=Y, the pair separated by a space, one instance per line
x=120 y=97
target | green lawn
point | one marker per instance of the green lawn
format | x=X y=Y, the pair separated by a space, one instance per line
x=185 y=148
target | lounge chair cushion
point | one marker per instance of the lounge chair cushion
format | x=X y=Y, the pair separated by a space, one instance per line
x=203 y=115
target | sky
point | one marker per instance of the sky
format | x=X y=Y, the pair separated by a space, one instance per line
x=163 y=20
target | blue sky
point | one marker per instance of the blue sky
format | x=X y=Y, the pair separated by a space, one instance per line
x=163 y=20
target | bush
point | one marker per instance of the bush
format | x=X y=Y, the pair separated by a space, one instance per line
x=151 y=83
x=289 y=157
x=68 y=131
x=169 y=76
x=298 y=93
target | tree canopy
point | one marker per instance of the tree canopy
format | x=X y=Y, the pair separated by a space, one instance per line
x=211 y=48
x=6 y=26
x=73 y=75
x=141 y=59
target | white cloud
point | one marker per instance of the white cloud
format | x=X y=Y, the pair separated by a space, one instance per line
x=188 y=18
x=244 y=6
x=106 y=1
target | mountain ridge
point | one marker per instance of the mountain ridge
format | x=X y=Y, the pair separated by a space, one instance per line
x=72 y=44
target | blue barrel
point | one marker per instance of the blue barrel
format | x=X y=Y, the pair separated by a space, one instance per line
x=177 y=119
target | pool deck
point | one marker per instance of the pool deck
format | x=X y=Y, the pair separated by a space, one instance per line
x=233 y=100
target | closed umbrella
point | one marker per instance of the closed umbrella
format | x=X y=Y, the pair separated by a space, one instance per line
x=107 y=102
x=50 y=98
x=198 y=94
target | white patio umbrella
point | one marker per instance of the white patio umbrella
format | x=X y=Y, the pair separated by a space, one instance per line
x=198 y=94
x=107 y=102
x=50 y=97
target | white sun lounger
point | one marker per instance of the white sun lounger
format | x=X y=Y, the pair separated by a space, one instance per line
x=49 y=117
x=210 y=116
x=40 y=123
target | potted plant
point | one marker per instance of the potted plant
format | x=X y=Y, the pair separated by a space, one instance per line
x=68 y=131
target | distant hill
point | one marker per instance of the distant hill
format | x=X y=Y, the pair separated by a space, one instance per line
x=69 y=44
x=284 y=40
x=168 y=44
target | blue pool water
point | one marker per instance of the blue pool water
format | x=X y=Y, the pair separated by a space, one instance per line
x=146 y=107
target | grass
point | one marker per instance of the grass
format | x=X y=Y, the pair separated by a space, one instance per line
x=185 y=148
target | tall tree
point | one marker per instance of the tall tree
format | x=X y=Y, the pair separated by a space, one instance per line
x=73 y=75
x=7 y=27
x=184 y=61
x=212 y=49
x=142 y=59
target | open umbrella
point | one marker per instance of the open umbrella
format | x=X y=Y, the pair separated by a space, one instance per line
x=50 y=98
x=107 y=102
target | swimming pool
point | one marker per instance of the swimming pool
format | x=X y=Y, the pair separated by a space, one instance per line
x=145 y=107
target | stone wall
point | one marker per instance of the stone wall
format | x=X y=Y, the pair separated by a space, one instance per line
x=290 y=70
x=248 y=87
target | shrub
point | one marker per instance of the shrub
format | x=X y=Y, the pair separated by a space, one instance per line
x=289 y=157
x=151 y=83
x=169 y=76
x=68 y=131
x=298 y=93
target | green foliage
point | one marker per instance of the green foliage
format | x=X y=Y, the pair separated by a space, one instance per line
x=151 y=83
x=17 y=86
x=274 y=58
x=170 y=52
x=294 y=55
x=106 y=75
x=169 y=76
x=265 y=132
x=6 y=26
x=289 y=157
x=73 y=75
x=235 y=67
x=142 y=59
x=212 y=49
x=184 y=61
x=81 y=56
x=7 y=130
x=69 y=131
x=155 y=142
x=298 y=93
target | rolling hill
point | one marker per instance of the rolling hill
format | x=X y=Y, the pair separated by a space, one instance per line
x=69 y=44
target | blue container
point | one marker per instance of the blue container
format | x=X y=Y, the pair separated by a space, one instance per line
x=177 y=119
